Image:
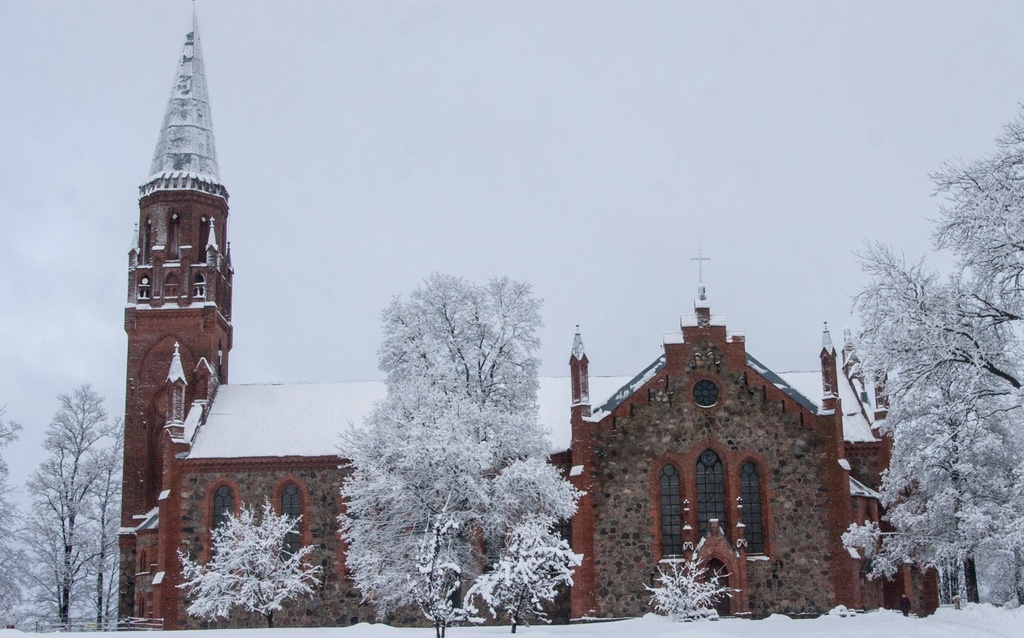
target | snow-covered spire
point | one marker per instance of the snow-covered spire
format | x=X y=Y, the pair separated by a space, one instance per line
x=186 y=156
x=212 y=241
x=176 y=373
x=826 y=340
x=577 y=345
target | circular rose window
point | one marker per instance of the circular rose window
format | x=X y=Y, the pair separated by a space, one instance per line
x=705 y=393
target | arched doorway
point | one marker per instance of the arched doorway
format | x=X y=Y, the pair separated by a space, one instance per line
x=716 y=567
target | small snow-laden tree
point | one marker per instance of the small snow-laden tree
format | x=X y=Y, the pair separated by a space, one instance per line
x=533 y=565
x=438 y=577
x=61 y=531
x=11 y=556
x=457 y=430
x=249 y=567
x=687 y=591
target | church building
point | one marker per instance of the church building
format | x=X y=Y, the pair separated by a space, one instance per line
x=706 y=452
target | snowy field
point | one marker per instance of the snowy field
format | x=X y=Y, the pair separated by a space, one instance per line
x=976 y=620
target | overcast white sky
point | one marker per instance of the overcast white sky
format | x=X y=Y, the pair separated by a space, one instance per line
x=589 y=148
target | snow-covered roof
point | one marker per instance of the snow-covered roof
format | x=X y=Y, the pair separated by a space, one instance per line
x=858 y=418
x=185 y=148
x=305 y=419
x=858 y=415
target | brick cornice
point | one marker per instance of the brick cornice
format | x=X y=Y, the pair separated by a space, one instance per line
x=326 y=462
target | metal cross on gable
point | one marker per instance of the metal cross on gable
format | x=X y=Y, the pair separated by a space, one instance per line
x=700 y=259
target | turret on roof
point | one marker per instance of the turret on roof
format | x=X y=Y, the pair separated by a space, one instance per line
x=186 y=155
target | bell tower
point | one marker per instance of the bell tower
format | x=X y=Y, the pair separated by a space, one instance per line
x=179 y=284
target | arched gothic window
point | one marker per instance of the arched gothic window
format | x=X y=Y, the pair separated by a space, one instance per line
x=199 y=287
x=147 y=242
x=710 y=490
x=291 y=506
x=223 y=505
x=174 y=237
x=671 y=516
x=204 y=237
x=750 y=490
x=144 y=287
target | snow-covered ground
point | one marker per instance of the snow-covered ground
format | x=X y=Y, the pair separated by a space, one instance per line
x=975 y=621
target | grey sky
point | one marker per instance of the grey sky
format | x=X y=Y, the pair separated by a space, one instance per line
x=588 y=148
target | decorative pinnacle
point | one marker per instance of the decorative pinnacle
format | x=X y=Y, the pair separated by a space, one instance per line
x=212 y=241
x=577 y=345
x=826 y=339
x=176 y=373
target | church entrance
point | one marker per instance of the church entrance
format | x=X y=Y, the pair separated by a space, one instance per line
x=716 y=566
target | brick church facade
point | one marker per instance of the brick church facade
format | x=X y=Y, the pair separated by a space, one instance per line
x=706 y=452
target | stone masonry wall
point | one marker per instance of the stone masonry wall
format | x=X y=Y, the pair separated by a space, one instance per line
x=796 y=577
x=335 y=602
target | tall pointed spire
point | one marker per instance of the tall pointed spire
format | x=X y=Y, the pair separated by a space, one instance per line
x=186 y=155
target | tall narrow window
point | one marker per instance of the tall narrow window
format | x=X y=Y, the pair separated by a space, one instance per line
x=563 y=528
x=223 y=505
x=291 y=506
x=204 y=237
x=750 y=490
x=144 y=287
x=199 y=288
x=174 y=238
x=710 y=490
x=147 y=242
x=671 y=514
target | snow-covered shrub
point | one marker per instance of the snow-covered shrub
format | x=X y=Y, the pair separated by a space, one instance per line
x=535 y=562
x=687 y=591
x=249 y=568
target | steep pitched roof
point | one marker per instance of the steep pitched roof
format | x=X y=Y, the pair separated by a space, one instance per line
x=306 y=419
x=185 y=150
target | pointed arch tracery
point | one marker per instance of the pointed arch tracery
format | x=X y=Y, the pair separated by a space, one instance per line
x=671 y=513
x=710 y=479
x=753 y=517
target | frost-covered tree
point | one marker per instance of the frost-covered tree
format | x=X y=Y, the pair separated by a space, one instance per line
x=11 y=557
x=687 y=591
x=249 y=567
x=951 y=350
x=534 y=564
x=455 y=446
x=105 y=515
x=61 y=530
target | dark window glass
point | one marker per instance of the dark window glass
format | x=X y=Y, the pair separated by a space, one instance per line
x=564 y=530
x=174 y=238
x=750 y=490
x=292 y=508
x=671 y=514
x=705 y=393
x=204 y=238
x=710 y=490
x=223 y=505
